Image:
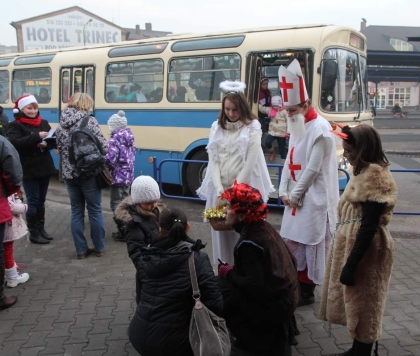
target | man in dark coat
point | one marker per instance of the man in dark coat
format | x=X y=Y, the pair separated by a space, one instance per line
x=259 y=312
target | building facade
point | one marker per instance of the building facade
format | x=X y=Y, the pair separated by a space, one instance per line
x=393 y=38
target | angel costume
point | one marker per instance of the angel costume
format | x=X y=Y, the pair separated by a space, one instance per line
x=234 y=154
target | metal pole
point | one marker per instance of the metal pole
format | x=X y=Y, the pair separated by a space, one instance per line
x=84 y=39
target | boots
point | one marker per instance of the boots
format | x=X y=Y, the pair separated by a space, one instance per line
x=34 y=237
x=5 y=302
x=120 y=235
x=14 y=278
x=41 y=223
x=358 y=349
x=307 y=295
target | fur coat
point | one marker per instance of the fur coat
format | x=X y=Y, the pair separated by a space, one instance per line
x=361 y=306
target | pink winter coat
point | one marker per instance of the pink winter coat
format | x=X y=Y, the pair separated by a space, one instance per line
x=16 y=228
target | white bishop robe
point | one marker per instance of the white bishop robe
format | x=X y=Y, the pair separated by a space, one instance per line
x=316 y=218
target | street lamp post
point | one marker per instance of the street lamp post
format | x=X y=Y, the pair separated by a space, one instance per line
x=84 y=38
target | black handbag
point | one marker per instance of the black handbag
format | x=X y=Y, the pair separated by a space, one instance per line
x=104 y=178
x=208 y=334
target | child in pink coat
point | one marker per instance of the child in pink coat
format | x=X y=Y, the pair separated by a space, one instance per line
x=15 y=229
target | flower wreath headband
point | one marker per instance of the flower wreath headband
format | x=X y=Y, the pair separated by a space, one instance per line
x=230 y=87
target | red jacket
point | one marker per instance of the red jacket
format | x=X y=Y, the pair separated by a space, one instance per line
x=10 y=177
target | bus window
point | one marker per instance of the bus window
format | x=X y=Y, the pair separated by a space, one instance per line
x=345 y=95
x=65 y=86
x=78 y=81
x=365 y=83
x=4 y=86
x=90 y=83
x=135 y=82
x=198 y=78
x=30 y=81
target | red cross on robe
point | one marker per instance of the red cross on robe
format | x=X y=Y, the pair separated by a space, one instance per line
x=293 y=168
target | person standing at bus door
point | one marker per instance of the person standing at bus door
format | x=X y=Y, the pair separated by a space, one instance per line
x=309 y=183
x=277 y=129
x=83 y=193
x=140 y=214
x=264 y=100
x=235 y=154
x=360 y=258
x=120 y=161
x=26 y=133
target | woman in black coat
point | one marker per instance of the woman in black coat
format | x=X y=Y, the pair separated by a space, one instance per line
x=160 y=325
x=27 y=134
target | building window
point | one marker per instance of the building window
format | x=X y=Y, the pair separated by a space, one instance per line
x=400 y=45
x=399 y=96
x=198 y=78
x=135 y=81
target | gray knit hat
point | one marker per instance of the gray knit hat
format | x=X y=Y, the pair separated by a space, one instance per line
x=117 y=121
x=144 y=189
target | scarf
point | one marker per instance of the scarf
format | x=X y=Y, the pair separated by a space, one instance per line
x=34 y=122
x=311 y=115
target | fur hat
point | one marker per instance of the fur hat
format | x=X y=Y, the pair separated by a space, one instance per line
x=277 y=101
x=117 y=121
x=144 y=189
x=23 y=101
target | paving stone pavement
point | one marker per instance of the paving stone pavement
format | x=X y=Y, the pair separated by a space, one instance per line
x=83 y=307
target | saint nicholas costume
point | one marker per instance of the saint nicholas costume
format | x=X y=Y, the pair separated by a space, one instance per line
x=310 y=180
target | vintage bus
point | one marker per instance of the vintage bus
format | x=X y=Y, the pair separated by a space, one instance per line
x=168 y=86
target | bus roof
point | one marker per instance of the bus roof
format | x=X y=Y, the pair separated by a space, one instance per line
x=169 y=37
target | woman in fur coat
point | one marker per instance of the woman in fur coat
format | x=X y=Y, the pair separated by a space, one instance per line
x=361 y=255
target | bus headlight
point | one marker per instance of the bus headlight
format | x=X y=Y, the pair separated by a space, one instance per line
x=343 y=163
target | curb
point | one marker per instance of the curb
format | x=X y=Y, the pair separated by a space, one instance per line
x=402 y=153
x=396 y=128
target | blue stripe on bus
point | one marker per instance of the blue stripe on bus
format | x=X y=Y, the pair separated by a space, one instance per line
x=164 y=118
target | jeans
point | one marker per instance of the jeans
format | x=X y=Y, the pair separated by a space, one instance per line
x=36 y=191
x=2 y=230
x=87 y=193
x=281 y=141
x=117 y=194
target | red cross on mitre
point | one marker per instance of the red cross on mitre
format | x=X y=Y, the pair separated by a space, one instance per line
x=285 y=86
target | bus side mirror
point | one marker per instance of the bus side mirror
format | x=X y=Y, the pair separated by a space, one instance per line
x=329 y=75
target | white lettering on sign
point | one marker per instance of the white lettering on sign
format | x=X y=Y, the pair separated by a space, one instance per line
x=67 y=30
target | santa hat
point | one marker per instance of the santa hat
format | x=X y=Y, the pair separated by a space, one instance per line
x=144 y=189
x=117 y=121
x=23 y=101
x=292 y=84
x=276 y=101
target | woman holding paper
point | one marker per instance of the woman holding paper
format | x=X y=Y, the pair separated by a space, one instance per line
x=27 y=134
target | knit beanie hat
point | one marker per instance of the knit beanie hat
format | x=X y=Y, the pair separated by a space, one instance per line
x=23 y=101
x=144 y=189
x=276 y=101
x=117 y=121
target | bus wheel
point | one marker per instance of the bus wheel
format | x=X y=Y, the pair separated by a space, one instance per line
x=196 y=171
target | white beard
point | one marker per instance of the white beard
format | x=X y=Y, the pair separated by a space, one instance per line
x=296 y=125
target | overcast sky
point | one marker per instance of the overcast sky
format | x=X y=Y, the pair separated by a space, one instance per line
x=180 y=16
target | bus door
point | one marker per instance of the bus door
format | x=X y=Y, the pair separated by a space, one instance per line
x=74 y=79
x=252 y=80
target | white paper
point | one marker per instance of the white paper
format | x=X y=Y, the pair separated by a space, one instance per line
x=50 y=133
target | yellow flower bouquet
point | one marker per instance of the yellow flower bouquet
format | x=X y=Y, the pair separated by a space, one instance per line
x=217 y=218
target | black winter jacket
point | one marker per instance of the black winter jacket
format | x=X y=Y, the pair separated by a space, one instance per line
x=140 y=229
x=36 y=162
x=161 y=322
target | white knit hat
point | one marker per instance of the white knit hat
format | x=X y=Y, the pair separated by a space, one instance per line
x=144 y=189
x=117 y=121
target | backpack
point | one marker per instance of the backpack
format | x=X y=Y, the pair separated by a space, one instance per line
x=85 y=151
